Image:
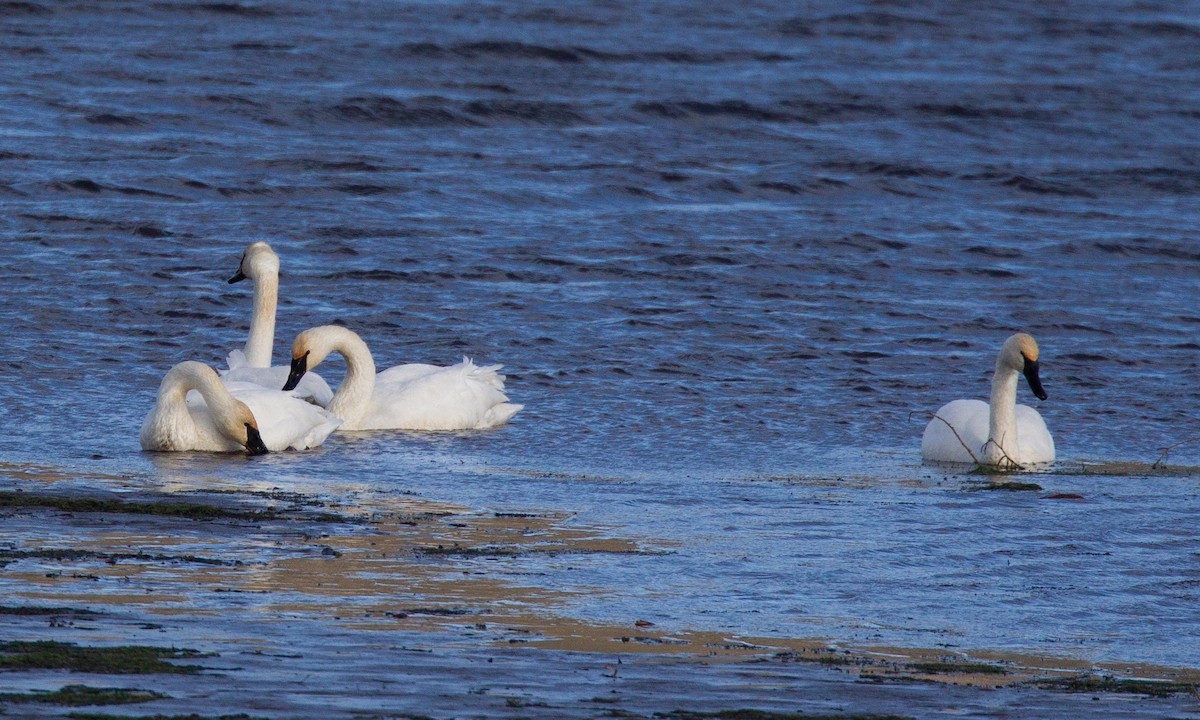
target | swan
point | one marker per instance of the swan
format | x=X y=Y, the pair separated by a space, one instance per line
x=409 y=397
x=227 y=417
x=253 y=363
x=999 y=433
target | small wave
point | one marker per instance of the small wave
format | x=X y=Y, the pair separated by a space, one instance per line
x=113 y=119
x=539 y=113
x=735 y=109
x=885 y=169
x=1026 y=183
x=389 y=111
x=995 y=251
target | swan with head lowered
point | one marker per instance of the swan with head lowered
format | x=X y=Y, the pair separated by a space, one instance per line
x=406 y=397
x=253 y=364
x=229 y=417
x=1001 y=432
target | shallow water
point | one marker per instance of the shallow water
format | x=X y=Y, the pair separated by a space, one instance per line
x=728 y=256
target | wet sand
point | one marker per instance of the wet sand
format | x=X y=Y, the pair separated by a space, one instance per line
x=302 y=608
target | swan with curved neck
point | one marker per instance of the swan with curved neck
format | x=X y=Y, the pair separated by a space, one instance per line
x=226 y=417
x=1000 y=432
x=260 y=265
x=410 y=397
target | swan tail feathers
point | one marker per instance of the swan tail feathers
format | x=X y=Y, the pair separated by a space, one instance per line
x=486 y=374
x=236 y=359
x=499 y=414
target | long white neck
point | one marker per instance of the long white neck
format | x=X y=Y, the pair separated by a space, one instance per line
x=262 y=324
x=222 y=406
x=1003 y=448
x=353 y=396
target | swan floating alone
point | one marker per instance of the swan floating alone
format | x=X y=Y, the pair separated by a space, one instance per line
x=227 y=417
x=999 y=433
x=253 y=364
x=409 y=397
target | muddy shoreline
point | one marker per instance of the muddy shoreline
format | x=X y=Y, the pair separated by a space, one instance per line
x=284 y=605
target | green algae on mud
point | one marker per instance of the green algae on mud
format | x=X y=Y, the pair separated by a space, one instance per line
x=37 y=610
x=747 y=714
x=950 y=668
x=186 y=510
x=111 y=558
x=77 y=695
x=1009 y=486
x=106 y=716
x=1107 y=683
x=119 y=660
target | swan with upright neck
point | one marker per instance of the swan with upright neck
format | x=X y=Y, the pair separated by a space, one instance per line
x=252 y=364
x=227 y=417
x=408 y=397
x=999 y=433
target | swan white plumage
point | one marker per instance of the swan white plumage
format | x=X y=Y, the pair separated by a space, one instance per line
x=406 y=397
x=227 y=417
x=998 y=432
x=253 y=364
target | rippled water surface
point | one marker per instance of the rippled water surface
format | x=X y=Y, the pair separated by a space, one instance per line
x=728 y=254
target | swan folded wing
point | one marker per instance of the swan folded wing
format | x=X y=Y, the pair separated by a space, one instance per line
x=312 y=387
x=427 y=397
x=285 y=421
x=969 y=420
x=1037 y=445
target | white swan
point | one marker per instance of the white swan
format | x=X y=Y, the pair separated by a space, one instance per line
x=410 y=397
x=227 y=417
x=253 y=364
x=1001 y=432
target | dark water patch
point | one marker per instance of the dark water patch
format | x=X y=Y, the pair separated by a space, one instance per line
x=262 y=46
x=518 y=50
x=13 y=8
x=995 y=251
x=885 y=169
x=227 y=9
x=1147 y=247
x=970 y=112
x=1039 y=186
x=94 y=188
x=1062 y=26
x=426 y=112
x=365 y=190
x=854 y=107
x=725 y=109
x=232 y=100
x=538 y=113
x=116 y=120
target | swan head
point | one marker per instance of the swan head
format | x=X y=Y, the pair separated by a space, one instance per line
x=1020 y=353
x=242 y=424
x=259 y=260
x=308 y=350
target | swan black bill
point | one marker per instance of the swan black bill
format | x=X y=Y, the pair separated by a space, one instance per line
x=1031 y=376
x=254 y=441
x=299 y=367
x=240 y=276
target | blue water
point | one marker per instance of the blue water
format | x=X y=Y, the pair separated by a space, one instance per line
x=725 y=253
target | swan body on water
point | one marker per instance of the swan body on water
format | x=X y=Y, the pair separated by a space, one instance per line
x=253 y=363
x=224 y=416
x=1000 y=432
x=409 y=397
